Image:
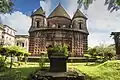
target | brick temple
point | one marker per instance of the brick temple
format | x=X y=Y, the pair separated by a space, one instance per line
x=58 y=28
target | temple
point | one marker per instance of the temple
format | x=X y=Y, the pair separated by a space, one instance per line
x=58 y=28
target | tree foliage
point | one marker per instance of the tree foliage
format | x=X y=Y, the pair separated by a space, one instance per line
x=6 y=6
x=3 y=64
x=12 y=52
x=58 y=49
x=102 y=52
x=112 y=4
x=42 y=61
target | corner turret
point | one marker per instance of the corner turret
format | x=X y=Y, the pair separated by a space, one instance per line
x=79 y=21
x=38 y=19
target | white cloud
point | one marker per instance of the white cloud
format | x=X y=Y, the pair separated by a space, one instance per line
x=17 y=20
x=100 y=22
x=46 y=5
x=72 y=6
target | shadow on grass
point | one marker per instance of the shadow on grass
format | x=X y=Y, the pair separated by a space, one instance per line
x=92 y=77
x=26 y=71
x=19 y=72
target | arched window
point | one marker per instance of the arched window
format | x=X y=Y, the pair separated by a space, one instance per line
x=70 y=26
x=48 y=24
x=58 y=25
x=17 y=44
x=80 y=25
x=38 y=24
x=22 y=44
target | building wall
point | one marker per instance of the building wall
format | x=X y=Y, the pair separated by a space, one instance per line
x=40 y=40
x=56 y=33
x=1 y=30
x=22 y=41
x=1 y=36
x=58 y=22
x=59 y=30
x=9 y=36
x=39 y=19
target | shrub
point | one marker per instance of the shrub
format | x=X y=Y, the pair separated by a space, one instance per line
x=102 y=52
x=58 y=49
x=42 y=61
x=26 y=57
x=3 y=64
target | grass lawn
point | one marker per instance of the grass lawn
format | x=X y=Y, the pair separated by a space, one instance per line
x=109 y=70
x=24 y=70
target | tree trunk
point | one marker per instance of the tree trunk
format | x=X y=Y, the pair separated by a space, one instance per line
x=11 y=63
x=25 y=59
x=117 y=47
x=118 y=56
x=5 y=58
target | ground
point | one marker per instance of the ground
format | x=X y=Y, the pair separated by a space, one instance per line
x=109 y=70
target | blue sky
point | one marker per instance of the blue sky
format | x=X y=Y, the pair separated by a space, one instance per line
x=100 y=22
x=27 y=6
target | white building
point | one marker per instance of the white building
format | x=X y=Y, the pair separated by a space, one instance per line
x=1 y=34
x=9 y=35
x=22 y=41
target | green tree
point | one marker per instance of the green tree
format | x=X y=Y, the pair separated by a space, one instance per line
x=112 y=4
x=11 y=54
x=4 y=52
x=116 y=37
x=42 y=61
x=26 y=54
x=92 y=52
x=87 y=56
x=6 y=6
x=16 y=51
x=102 y=52
x=20 y=53
x=3 y=64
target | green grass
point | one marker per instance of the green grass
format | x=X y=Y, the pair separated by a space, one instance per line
x=109 y=70
x=24 y=70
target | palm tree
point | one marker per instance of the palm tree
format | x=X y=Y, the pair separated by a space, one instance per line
x=116 y=37
x=112 y=4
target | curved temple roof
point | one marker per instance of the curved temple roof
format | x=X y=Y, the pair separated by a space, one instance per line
x=78 y=13
x=39 y=11
x=60 y=12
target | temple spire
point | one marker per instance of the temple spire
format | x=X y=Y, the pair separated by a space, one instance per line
x=59 y=11
x=39 y=11
x=78 y=13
